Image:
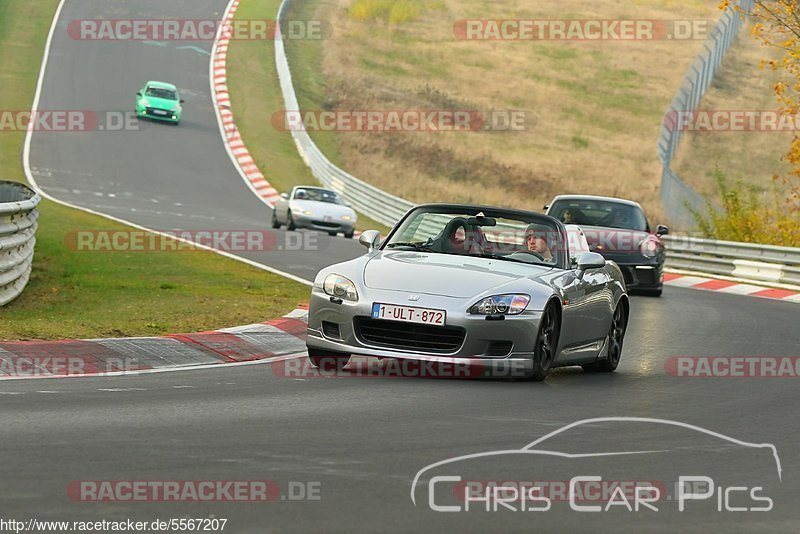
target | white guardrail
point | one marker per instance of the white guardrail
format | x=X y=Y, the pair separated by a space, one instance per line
x=757 y=263
x=745 y=261
x=18 y=223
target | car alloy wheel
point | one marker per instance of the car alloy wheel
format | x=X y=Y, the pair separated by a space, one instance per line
x=546 y=344
x=616 y=335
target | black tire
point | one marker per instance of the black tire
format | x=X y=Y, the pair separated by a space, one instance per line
x=327 y=360
x=615 y=338
x=290 y=221
x=275 y=223
x=332 y=234
x=546 y=344
x=349 y=235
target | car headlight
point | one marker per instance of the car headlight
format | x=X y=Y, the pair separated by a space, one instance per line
x=308 y=212
x=346 y=218
x=340 y=287
x=501 y=305
x=649 y=248
x=145 y=102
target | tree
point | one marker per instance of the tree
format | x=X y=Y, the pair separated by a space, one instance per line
x=777 y=25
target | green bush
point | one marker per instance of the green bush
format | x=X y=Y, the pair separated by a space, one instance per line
x=747 y=215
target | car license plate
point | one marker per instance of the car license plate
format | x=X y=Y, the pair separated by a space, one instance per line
x=328 y=218
x=159 y=112
x=409 y=314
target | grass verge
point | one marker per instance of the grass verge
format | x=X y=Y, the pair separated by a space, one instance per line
x=99 y=294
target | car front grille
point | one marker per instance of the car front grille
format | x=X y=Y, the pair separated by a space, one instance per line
x=326 y=224
x=408 y=336
x=152 y=111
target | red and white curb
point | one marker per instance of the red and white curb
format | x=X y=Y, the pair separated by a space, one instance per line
x=730 y=287
x=222 y=102
x=122 y=356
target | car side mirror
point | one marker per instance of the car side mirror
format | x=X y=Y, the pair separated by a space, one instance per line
x=589 y=261
x=182 y=101
x=370 y=239
x=546 y=207
x=662 y=229
x=284 y=196
x=138 y=93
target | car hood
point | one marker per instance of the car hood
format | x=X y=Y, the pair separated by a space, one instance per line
x=161 y=103
x=321 y=209
x=614 y=240
x=443 y=274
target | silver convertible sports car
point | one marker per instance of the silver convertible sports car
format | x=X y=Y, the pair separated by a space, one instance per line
x=499 y=288
x=314 y=208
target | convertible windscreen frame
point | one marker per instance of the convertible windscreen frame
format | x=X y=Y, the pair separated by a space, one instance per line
x=559 y=231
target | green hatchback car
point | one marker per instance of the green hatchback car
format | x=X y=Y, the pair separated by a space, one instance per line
x=159 y=100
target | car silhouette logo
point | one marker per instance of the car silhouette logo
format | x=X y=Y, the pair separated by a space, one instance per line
x=413 y=298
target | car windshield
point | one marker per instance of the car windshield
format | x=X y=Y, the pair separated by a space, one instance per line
x=160 y=92
x=604 y=213
x=493 y=233
x=318 y=195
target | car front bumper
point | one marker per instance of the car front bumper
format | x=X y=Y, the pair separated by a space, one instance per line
x=642 y=275
x=316 y=223
x=500 y=346
x=171 y=116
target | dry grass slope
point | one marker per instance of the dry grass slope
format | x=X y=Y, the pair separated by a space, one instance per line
x=597 y=105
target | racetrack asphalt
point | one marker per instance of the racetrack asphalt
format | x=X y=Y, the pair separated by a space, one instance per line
x=362 y=439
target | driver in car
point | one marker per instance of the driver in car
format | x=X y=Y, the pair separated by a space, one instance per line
x=537 y=243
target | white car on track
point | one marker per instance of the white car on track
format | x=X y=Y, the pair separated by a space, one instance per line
x=314 y=208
